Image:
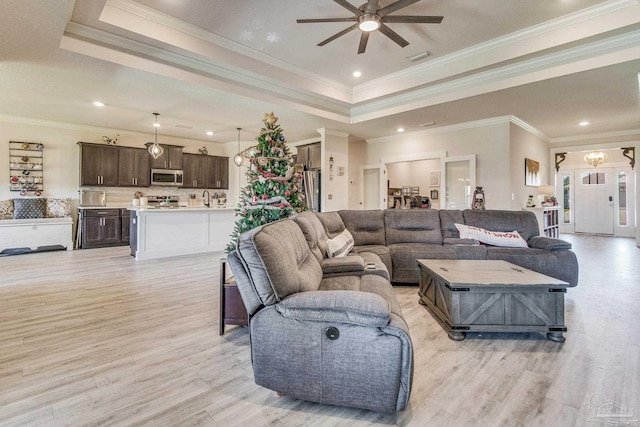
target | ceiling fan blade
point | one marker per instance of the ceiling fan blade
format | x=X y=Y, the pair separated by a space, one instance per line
x=310 y=21
x=398 y=19
x=395 y=6
x=393 y=35
x=350 y=7
x=335 y=36
x=364 y=38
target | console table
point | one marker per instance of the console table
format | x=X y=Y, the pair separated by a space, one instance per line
x=232 y=310
x=491 y=296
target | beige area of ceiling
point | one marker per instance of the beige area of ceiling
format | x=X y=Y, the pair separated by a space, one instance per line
x=218 y=65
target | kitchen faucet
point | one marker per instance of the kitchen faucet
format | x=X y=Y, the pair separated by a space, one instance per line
x=206 y=201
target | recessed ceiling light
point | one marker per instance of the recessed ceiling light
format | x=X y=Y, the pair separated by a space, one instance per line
x=357 y=73
x=584 y=123
x=209 y=132
x=98 y=103
x=400 y=129
x=156 y=125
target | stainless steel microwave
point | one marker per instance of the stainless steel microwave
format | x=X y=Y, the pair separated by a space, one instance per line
x=166 y=177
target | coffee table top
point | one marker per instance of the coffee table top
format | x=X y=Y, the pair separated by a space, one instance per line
x=466 y=272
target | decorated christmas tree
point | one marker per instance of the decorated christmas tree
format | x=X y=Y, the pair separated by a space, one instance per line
x=273 y=191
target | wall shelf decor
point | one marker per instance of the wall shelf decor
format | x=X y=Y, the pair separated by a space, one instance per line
x=26 y=168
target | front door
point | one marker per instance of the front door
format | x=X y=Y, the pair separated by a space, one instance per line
x=594 y=200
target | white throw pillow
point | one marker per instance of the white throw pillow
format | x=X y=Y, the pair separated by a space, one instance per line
x=495 y=238
x=340 y=245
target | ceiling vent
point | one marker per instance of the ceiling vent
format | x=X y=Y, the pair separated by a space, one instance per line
x=424 y=125
x=184 y=127
x=418 y=56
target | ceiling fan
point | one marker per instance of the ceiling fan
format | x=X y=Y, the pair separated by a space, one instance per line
x=370 y=17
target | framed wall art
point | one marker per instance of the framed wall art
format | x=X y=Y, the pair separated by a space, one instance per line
x=434 y=179
x=531 y=173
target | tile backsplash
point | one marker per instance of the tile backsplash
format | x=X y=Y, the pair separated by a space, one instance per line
x=117 y=196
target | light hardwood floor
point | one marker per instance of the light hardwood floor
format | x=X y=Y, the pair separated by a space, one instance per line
x=94 y=337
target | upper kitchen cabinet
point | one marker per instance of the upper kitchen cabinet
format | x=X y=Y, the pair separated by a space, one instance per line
x=193 y=166
x=171 y=158
x=217 y=172
x=310 y=156
x=133 y=167
x=205 y=171
x=98 y=164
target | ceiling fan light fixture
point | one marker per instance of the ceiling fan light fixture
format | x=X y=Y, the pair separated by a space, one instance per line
x=369 y=22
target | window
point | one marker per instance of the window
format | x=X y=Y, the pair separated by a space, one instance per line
x=593 y=178
x=622 y=199
x=566 y=199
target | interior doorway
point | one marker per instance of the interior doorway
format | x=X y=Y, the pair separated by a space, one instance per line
x=374 y=187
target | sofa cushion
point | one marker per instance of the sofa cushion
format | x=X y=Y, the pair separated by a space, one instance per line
x=6 y=209
x=29 y=208
x=314 y=233
x=278 y=261
x=448 y=219
x=495 y=238
x=412 y=226
x=524 y=222
x=367 y=227
x=332 y=223
x=58 y=208
x=404 y=258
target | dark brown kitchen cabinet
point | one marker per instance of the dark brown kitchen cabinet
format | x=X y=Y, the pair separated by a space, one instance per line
x=193 y=169
x=171 y=158
x=98 y=164
x=310 y=155
x=217 y=174
x=133 y=167
x=100 y=228
x=125 y=226
x=205 y=171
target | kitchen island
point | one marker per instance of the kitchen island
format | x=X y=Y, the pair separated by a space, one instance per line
x=165 y=232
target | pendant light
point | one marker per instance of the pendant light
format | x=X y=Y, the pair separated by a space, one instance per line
x=154 y=149
x=238 y=159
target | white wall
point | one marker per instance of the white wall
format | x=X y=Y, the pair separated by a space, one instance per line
x=334 y=192
x=487 y=139
x=523 y=145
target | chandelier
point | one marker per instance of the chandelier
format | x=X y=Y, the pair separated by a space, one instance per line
x=595 y=158
x=154 y=149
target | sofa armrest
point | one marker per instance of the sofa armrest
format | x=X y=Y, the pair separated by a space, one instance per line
x=352 y=307
x=548 y=243
x=342 y=265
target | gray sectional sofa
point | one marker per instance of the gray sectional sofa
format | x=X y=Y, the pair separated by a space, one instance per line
x=400 y=237
x=330 y=330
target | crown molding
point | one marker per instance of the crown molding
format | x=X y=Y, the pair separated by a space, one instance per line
x=324 y=132
x=89 y=128
x=507 y=47
x=152 y=23
x=634 y=133
x=529 y=128
x=450 y=128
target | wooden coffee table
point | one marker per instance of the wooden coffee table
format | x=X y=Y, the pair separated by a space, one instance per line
x=491 y=296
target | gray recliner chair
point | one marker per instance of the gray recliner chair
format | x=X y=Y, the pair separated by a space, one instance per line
x=335 y=340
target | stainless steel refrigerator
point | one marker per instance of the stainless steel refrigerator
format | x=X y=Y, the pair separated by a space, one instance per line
x=311 y=186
